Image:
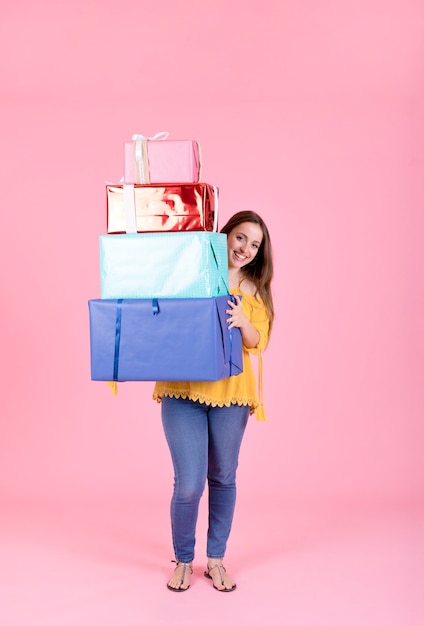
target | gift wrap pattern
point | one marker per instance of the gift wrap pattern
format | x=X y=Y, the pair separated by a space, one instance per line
x=173 y=265
x=177 y=207
x=164 y=290
x=163 y=339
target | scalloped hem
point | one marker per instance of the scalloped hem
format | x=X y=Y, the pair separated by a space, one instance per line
x=197 y=397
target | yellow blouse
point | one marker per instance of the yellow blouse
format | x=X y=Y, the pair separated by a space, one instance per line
x=240 y=389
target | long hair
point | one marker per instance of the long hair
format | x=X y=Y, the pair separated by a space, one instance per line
x=261 y=270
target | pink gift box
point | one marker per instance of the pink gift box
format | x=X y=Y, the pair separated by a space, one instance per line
x=161 y=160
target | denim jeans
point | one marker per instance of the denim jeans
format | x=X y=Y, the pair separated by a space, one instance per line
x=204 y=442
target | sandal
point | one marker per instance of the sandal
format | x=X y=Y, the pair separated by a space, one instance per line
x=221 y=569
x=183 y=575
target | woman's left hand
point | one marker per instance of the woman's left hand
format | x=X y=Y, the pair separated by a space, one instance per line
x=237 y=318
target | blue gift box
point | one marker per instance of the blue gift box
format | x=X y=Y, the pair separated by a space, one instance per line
x=175 y=339
x=163 y=265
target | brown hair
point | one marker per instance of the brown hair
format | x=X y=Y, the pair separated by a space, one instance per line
x=261 y=270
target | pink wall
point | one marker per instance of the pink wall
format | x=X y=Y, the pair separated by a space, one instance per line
x=310 y=113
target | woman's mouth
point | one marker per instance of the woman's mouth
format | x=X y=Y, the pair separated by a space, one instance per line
x=240 y=257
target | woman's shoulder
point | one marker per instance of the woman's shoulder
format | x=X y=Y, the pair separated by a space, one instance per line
x=249 y=294
x=248 y=287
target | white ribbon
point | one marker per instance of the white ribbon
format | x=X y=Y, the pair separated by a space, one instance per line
x=161 y=135
x=138 y=152
x=129 y=204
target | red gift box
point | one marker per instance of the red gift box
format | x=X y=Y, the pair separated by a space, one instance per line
x=155 y=208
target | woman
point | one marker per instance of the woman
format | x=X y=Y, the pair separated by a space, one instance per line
x=204 y=422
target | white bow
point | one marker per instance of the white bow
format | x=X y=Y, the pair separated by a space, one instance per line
x=161 y=135
x=138 y=149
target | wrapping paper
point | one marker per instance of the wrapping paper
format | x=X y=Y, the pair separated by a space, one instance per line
x=166 y=265
x=156 y=208
x=161 y=161
x=163 y=339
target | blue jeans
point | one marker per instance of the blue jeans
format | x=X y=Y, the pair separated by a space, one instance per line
x=204 y=442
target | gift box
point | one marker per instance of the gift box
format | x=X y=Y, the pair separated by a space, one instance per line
x=156 y=208
x=159 y=160
x=166 y=265
x=163 y=339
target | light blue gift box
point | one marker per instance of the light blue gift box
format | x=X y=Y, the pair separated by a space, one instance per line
x=164 y=265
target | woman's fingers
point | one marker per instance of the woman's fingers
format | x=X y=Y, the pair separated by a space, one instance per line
x=233 y=312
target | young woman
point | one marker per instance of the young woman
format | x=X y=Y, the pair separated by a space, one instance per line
x=204 y=422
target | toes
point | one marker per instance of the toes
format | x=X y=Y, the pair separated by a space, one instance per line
x=172 y=584
x=177 y=582
x=220 y=584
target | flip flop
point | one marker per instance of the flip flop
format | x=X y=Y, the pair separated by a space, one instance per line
x=221 y=568
x=185 y=566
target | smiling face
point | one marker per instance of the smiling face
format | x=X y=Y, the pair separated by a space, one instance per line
x=243 y=244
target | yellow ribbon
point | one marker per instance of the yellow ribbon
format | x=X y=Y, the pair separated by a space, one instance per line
x=113 y=387
x=260 y=410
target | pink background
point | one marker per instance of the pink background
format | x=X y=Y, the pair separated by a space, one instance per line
x=310 y=113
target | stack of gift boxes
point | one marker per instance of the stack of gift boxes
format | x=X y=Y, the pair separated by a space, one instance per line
x=163 y=272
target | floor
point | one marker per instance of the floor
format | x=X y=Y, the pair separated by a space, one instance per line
x=295 y=563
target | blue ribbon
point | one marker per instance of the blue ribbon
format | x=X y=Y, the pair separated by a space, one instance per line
x=224 y=329
x=230 y=330
x=118 y=322
x=117 y=338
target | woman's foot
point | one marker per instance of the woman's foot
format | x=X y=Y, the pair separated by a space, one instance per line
x=181 y=578
x=217 y=573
